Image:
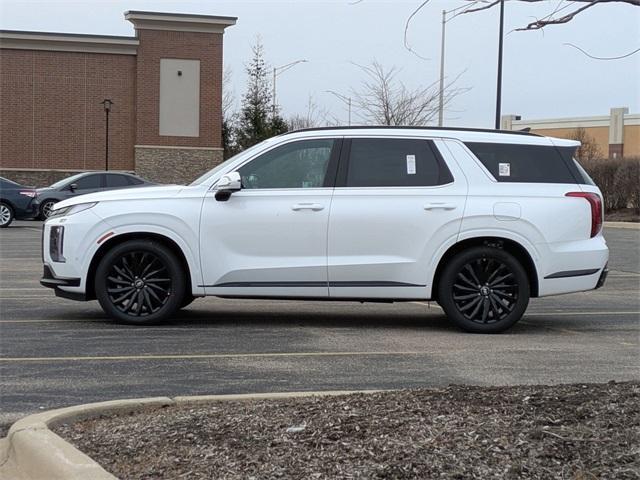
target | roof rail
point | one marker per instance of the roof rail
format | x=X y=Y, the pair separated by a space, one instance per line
x=399 y=127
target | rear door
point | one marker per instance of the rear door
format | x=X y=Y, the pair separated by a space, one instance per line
x=395 y=204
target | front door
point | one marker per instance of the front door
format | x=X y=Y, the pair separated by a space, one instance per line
x=396 y=202
x=270 y=238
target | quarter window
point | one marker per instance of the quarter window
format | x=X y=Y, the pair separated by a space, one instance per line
x=294 y=165
x=395 y=162
x=522 y=163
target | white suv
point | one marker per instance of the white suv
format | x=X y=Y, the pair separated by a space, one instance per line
x=479 y=221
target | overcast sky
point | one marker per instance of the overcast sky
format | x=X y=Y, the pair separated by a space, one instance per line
x=542 y=77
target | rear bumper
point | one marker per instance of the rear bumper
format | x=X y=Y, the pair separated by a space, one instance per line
x=50 y=280
x=603 y=276
x=27 y=212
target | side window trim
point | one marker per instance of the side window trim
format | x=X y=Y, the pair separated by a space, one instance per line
x=443 y=174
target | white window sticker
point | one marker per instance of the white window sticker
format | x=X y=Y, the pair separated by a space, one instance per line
x=504 y=169
x=411 y=164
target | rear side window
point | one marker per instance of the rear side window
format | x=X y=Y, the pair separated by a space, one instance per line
x=133 y=180
x=395 y=162
x=90 y=181
x=523 y=163
x=115 y=180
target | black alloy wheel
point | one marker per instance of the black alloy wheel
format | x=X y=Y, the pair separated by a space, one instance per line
x=484 y=290
x=140 y=282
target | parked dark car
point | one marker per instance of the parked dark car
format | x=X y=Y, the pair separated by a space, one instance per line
x=83 y=183
x=16 y=202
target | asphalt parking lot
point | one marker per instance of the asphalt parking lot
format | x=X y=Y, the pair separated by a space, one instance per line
x=57 y=352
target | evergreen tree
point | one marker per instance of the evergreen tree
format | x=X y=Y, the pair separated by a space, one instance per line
x=255 y=122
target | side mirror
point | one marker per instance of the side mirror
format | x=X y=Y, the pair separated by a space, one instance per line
x=229 y=183
x=73 y=187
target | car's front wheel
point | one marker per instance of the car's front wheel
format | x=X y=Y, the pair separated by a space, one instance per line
x=484 y=290
x=140 y=282
x=6 y=215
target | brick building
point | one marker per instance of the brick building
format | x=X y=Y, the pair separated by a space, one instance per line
x=165 y=84
x=616 y=134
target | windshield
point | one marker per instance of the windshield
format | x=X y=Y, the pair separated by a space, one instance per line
x=64 y=181
x=204 y=177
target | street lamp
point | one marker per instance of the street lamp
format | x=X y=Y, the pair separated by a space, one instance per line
x=499 y=86
x=277 y=71
x=346 y=100
x=106 y=103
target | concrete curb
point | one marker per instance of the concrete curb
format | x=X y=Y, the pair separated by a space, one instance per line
x=630 y=225
x=32 y=451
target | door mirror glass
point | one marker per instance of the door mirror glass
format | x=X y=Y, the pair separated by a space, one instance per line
x=229 y=183
x=73 y=187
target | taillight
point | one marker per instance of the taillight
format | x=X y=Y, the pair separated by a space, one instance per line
x=596 y=209
x=28 y=193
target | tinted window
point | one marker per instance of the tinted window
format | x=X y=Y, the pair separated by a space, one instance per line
x=4 y=183
x=569 y=154
x=523 y=163
x=90 y=181
x=114 y=181
x=386 y=162
x=133 y=180
x=295 y=165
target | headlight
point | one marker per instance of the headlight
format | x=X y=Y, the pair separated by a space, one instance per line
x=66 y=211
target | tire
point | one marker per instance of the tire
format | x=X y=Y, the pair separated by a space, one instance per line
x=140 y=282
x=45 y=209
x=6 y=215
x=502 y=296
x=187 y=300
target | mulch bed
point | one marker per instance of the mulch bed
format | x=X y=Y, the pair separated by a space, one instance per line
x=580 y=431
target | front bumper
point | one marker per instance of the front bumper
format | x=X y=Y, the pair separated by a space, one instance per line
x=50 y=280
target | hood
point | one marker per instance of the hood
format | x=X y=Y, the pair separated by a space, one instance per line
x=138 y=193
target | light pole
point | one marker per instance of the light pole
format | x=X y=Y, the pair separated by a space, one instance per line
x=106 y=103
x=441 y=99
x=277 y=71
x=346 y=100
x=499 y=86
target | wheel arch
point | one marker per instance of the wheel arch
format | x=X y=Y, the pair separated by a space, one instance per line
x=513 y=247
x=119 y=239
x=8 y=202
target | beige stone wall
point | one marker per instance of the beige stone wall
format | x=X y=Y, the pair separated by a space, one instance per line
x=599 y=134
x=175 y=165
x=632 y=141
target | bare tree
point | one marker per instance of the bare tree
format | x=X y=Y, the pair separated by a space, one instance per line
x=382 y=99
x=228 y=95
x=563 y=12
x=588 y=149
x=314 y=117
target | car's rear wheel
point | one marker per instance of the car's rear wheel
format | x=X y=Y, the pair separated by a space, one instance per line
x=6 y=215
x=484 y=290
x=46 y=208
x=140 y=282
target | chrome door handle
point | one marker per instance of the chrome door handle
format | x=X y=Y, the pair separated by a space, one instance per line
x=316 y=207
x=440 y=206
